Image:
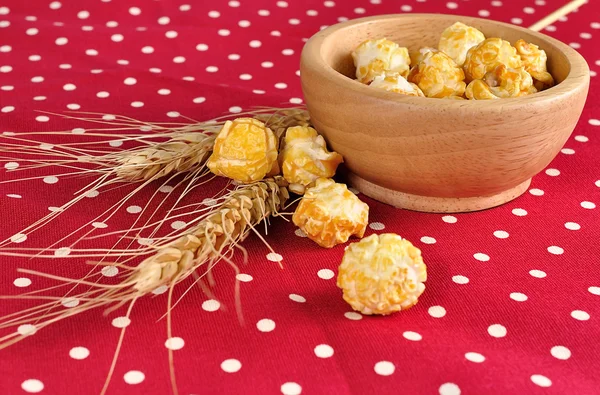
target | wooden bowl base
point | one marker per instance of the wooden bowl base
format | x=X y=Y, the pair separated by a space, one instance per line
x=434 y=204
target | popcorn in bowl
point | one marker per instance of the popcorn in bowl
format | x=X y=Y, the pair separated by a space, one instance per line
x=501 y=83
x=457 y=39
x=394 y=82
x=374 y=57
x=534 y=60
x=488 y=55
x=438 y=76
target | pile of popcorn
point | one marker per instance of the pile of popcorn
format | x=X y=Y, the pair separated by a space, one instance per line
x=465 y=65
x=379 y=274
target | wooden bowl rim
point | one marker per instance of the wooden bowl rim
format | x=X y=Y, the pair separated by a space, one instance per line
x=577 y=78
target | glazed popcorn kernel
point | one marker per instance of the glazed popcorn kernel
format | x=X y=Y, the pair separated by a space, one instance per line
x=394 y=82
x=417 y=57
x=305 y=158
x=245 y=150
x=457 y=39
x=329 y=214
x=382 y=274
x=438 y=76
x=488 y=55
x=534 y=60
x=374 y=57
x=501 y=83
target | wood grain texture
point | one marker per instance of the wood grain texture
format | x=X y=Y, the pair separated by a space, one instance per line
x=438 y=148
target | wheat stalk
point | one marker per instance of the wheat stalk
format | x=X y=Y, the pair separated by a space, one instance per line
x=213 y=238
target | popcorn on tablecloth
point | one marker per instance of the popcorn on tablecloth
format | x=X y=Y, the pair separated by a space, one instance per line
x=438 y=76
x=489 y=54
x=457 y=39
x=374 y=57
x=394 y=82
x=245 y=150
x=534 y=60
x=305 y=158
x=382 y=274
x=329 y=214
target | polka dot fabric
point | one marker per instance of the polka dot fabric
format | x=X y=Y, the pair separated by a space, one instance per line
x=512 y=298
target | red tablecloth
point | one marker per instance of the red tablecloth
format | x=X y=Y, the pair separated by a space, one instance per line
x=512 y=298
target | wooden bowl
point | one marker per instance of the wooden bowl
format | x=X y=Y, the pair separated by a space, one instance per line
x=438 y=155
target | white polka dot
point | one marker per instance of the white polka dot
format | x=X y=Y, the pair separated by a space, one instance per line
x=451 y=5
x=580 y=315
x=537 y=273
x=185 y=7
x=300 y=233
x=294 y=21
x=69 y=87
x=83 y=14
x=223 y=32
x=297 y=298
x=595 y=25
x=42 y=118
x=575 y=45
x=267 y=65
x=39 y=98
x=550 y=28
x=147 y=49
x=32 y=386
x=406 y=8
x=115 y=143
x=13 y=195
x=540 y=380
x=274 y=257
x=376 y=226
x=460 y=279
x=282 y=4
x=79 y=353
x=61 y=41
x=497 y=330
x=244 y=23
x=556 y=250
x=582 y=139
x=567 y=151
x=449 y=219
x=384 y=368
x=352 y=315
x=32 y=31
x=231 y=365
x=264 y=12
x=552 y=172
x=55 y=5
x=529 y=10
x=265 y=325
x=121 y=322
x=22 y=282
x=501 y=234
x=134 y=377
x=325 y=274
x=117 y=38
x=7 y=87
x=173 y=114
x=536 y=192
x=234 y=3
x=540 y=2
x=212 y=69
x=91 y=52
x=437 y=311
x=160 y=289
x=484 y=13
x=594 y=290
x=5 y=69
x=323 y=351
x=164 y=20
x=474 y=357
x=46 y=146
x=109 y=271
x=70 y=302
x=214 y=14
x=235 y=109
x=178 y=59
x=329 y=4
x=258 y=91
x=518 y=296
x=519 y=212
x=112 y=24
x=171 y=34
x=516 y=21
x=359 y=10
x=164 y=92
x=291 y=388
x=210 y=202
x=130 y=81
x=235 y=56
x=413 y=336
x=243 y=277
x=449 y=389
x=50 y=180
x=276 y=33
x=92 y=194
x=481 y=257
x=73 y=106
x=137 y=104
x=428 y=240
x=287 y=52
x=281 y=85
x=245 y=77
x=585 y=35
x=177 y=225
x=560 y=352
x=4 y=24
x=594 y=122
x=588 y=205
x=312 y=13
x=5 y=110
x=37 y=79
x=199 y=100
x=174 y=343
x=211 y=305
x=295 y=100
x=96 y=71
x=255 y=44
x=18 y=238
x=155 y=70
x=26 y=330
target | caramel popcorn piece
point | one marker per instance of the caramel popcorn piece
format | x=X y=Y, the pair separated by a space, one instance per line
x=457 y=39
x=438 y=76
x=329 y=214
x=501 y=83
x=382 y=274
x=417 y=57
x=394 y=82
x=534 y=60
x=245 y=150
x=305 y=158
x=374 y=57
x=488 y=55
